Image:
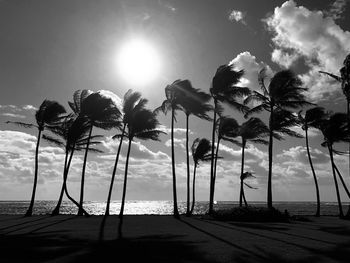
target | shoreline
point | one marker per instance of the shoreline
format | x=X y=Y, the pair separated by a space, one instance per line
x=162 y=238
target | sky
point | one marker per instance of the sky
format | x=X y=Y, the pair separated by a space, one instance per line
x=49 y=49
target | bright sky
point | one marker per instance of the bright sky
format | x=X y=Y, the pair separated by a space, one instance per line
x=49 y=49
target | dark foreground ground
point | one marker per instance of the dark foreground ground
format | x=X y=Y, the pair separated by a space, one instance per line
x=165 y=239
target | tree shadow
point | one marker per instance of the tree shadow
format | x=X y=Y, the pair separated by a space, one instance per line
x=30 y=220
x=157 y=248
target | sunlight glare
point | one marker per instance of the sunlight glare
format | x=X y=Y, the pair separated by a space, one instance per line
x=138 y=62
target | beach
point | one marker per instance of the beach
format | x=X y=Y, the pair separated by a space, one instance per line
x=68 y=238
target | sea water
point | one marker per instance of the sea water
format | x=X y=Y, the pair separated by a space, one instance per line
x=159 y=207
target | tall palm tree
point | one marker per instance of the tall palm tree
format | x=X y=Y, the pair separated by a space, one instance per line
x=334 y=128
x=200 y=152
x=312 y=119
x=73 y=131
x=194 y=102
x=253 y=130
x=46 y=116
x=344 y=79
x=100 y=112
x=174 y=94
x=227 y=130
x=284 y=93
x=130 y=100
x=224 y=89
x=142 y=124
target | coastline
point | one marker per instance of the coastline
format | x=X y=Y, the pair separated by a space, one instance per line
x=161 y=238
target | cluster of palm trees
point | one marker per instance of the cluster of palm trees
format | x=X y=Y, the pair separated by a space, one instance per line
x=283 y=99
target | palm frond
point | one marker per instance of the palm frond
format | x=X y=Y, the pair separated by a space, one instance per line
x=22 y=124
x=337 y=78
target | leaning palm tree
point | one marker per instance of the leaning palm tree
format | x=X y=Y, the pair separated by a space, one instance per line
x=174 y=94
x=193 y=102
x=72 y=133
x=200 y=152
x=224 y=89
x=100 y=112
x=142 y=124
x=243 y=177
x=312 y=118
x=46 y=116
x=253 y=130
x=334 y=128
x=284 y=93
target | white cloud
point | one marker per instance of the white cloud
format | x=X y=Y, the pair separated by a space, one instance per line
x=238 y=16
x=318 y=40
x=251 y=67
x=13 y=115
x=177 y=142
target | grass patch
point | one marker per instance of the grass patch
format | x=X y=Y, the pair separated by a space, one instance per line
x=251 y=214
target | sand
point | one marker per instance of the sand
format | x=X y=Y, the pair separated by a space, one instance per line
x=68 y=238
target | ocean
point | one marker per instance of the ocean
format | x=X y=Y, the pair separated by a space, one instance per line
x=159 y=207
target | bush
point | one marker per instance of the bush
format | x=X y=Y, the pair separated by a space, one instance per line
x=251 y=214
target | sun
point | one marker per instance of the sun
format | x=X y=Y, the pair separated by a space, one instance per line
x=138 y=62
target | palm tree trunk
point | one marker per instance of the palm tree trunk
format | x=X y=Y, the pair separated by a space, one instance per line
x=269 y=182
x=56 y=211
x=80 y=211
x=341 y=214
x=31 y=205
x=348 y=113
x=215 y=165
x=125 y=179
x=121 y=213
x=342 y=181
x=188 y=168
x=193 y=189
x=176 y=211
x=245 y=201
x=114 y=172
x=313 y=173
x=242 y=171
x=211 y=186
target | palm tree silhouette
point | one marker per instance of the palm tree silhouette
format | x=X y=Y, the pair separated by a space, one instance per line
x=48 y=114
x=226 y=129
x=312 y=119
x=194 y=102
x=253 y=130
x=174 y=94
x=73 y=131
x=284 y=92
x=243 y=177
x=224 y=89
x=141 y=123
x=100 y=112
x=200 y=152
x=334 y=128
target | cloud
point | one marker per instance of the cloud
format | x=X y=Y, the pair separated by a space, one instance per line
x=29 y=108
x=13 y=115
x=237 y=16
x=248 y=62
x=179 y=131
x=310 y=36
x=177 y=142
x=337 y=9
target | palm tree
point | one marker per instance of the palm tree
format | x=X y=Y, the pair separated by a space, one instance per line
x=100 y=112
x=312 y=119
x=73 y=132
x=194 y=102
x=200 y=152
x=174 y=94
x=224 y=89
x=141 y=123
x=226 y=129
x=334 y=128
x=47 y=115
x=253 y=130
x=284 y=93
x=243 y=177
